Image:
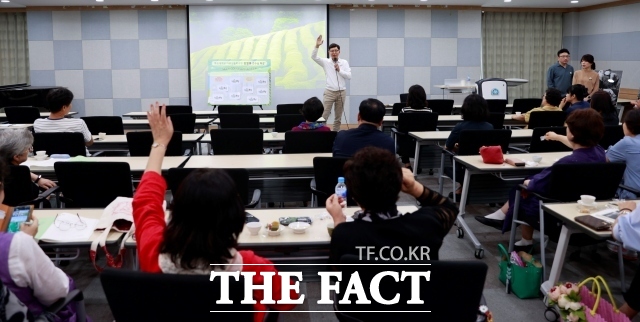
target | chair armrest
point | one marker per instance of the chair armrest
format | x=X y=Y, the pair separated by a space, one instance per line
x=518 y=149
x=255 y=199
x=632 y=190
x=451 y=153
x=187 y=153
x=97 y=153
x=47 y=192
x=74 y=295
x=539 y=196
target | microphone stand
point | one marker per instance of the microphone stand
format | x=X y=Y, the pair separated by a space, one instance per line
x=346 y=122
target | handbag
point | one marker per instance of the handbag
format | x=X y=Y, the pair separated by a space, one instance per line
x=524 y=282
x=492 y=154
x=118 y=216
x=598 y=309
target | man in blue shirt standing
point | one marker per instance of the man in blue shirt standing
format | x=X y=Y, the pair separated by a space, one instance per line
x=560 y=74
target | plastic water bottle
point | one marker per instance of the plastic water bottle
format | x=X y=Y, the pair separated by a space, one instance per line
x=468 y=80
x=341 y=191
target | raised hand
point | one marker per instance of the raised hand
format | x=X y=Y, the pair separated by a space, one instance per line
x=160 y=124
x=319 y=41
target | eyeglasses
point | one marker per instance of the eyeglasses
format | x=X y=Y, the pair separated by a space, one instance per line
x=334 y=50
x=66 y=224
x=31 y=148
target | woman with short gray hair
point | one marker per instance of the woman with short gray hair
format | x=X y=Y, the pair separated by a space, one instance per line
x=15 y=145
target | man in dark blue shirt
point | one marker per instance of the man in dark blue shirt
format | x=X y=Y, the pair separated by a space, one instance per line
x=370 y=117
x=560 y=74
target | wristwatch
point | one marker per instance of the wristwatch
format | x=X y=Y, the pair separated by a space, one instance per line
x=37 y=179
x=155 y=145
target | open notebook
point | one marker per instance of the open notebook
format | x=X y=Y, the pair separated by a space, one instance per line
x=68 y=229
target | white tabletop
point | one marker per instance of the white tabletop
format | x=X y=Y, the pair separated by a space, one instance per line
x=624 y=100
x=475 y=161
x=266 y=137
x=137 y=164
x=146 y=122
x=569 y=211
x=41 y=214
x=200 y=113
x=444 y=135
x=15 y=126
x=255 y=161
x=42 y=114
x=120 y=139
x=265 y=120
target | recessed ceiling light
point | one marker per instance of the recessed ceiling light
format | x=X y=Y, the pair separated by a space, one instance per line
x=99 y=0
x=507 y=0
x=4 y=1
x=154 y=0
x=423 y=0
x=574 y=1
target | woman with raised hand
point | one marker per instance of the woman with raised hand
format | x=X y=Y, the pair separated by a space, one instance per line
x=207 y=216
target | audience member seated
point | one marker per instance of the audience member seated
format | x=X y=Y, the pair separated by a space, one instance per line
x=374 y=179
x=28 y=272
x=416 y=102
x=312 y=110
x=15 y=145
x=626 y=229
x=575 y=99
x=584 y=131
x=601 y=102
x=550 y=101
x=59 y=102
x=475 y=114
x=207 y=216
x=370 y=117
x=627 y=150
x=587 y=76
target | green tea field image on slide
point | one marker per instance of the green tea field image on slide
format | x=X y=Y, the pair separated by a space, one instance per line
x=288 y=49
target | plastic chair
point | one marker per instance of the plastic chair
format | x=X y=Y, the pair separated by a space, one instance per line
x=235 y=109
x=308 y=141
x=568 y=182
x=539 y=146
x=236 y=141
x=239 y=121
x=109 y=181
x=546 y=119
x=71 y=143
x=285 y=122
x=412 y=122
x=497 y=120
x=178 y=109
x=21 y=114
x=140 y=144
x=403 y=97
x=612 y=134
x=136 y=296
x=240 y=178
x=326 y=171
x=442 y=107
x=288 y=108
x=20 y=190
x=111 y=125
x=497 y=106
x=185 y=123
x=524 y=105
x=397 y=108
x=447 y=278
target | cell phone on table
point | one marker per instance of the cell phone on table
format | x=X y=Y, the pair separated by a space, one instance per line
x=15 y=217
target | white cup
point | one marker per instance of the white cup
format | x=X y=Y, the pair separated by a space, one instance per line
x=41 y=154
x=587 y=199
x=254 y=227
x=536 y=158
x=518 y=113
x=274 y=134
x=102 y=135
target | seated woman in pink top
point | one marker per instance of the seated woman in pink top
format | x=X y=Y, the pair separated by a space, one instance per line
x=312 y=111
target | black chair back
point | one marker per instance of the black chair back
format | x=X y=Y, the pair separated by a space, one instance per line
x=442 y=107
x=140 y=144
x=288 y=108
x=22 y=114
x=111 y=125
x=285 y=122
x=178 y=109
x=497 y=106
x=235 y=109
x=612 y=134
x=497 y=120
x=71 y=143
x=546 y=119
x=240 y=177
x=239 y=121
x=309 y=141
x=524 y=105
x=114 y=180
x=18 y=187
x=538 y=146
x=236 y=141
x=136 y=296
x=472 y=140
x=326 y=171
x=185 y=123
x=598 y=179
x=403 y=97
x=417 y=121
x=397 y=108
x=446 y=278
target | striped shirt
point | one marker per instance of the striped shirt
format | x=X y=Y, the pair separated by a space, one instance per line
x=66 y=124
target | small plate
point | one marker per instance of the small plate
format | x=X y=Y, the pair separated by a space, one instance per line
x=46 y=157
x=593 y=205
x=299 y=227
x=275 y=233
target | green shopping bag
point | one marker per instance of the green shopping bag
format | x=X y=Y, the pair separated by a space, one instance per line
x=524 y=282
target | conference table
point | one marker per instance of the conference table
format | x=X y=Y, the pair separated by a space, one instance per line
x=143 y=124
x=46 y=217
x=3 y=116
x=439 y=137
x=312 y=245
x=201 y=114
x=270 y=140
x=119 y=142
x=451 y=120
x=512 y=175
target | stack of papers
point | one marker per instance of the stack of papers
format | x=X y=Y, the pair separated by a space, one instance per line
x=71 y=233
x=607 y=215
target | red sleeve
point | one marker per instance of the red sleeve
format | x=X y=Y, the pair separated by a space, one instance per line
x=296 y=128
x=323 y=129
x=149 y=218
x=248 y=257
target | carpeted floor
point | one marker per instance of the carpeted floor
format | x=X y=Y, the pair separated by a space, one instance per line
x=506 y=307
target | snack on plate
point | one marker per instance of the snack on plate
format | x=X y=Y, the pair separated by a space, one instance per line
x=274 y=226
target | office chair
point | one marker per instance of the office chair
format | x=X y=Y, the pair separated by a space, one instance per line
x=236 y=141
x=288 y=108
x=140 y=144
x=326 y=171
x=239 y=121
x=71 y=143
x=109 y=180
x=308 y=141
x=19 y=190
x=178 y=109
x=235 y=109
x=285 y=122
x=524 y=105
x=546 y=119
x=442 y=107
x=184 y=122
x=111 y=125
x=21 y=114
